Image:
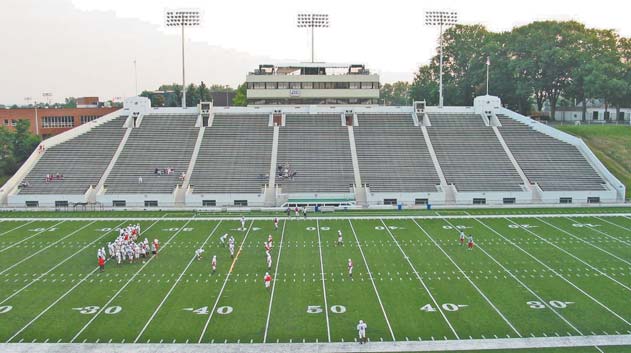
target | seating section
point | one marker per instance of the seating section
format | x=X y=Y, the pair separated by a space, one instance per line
x=161 y=141
x=470 y=155
x=553 y=164
x=393 y=155
x=317 y=148
x=234 y=156
x=81 y=160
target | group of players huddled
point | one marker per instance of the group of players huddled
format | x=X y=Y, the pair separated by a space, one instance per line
x=128 y=247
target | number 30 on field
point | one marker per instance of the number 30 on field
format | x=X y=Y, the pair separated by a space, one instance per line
x=89 y=310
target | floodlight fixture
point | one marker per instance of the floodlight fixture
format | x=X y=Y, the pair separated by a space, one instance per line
x=440 y=19
x=312 y=20
x=182 y=18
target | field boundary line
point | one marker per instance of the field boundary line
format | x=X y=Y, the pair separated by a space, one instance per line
x=374 y=346
x=525 y=286
x=590 y=243
x=372 y=280
x=342 y=218
x=177 y=281
x=572 y=255
x=16 y=228
x=271 y=299
x=46 y=248
x=59 y=264
x=234 y=261
x=34 y=235
x=556 y=273
x=418 y=276
x=326 y=305
x=61 y=297
x=465 y=276
x=95 y=316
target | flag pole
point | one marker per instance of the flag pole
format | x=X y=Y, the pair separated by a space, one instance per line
x=488 y=64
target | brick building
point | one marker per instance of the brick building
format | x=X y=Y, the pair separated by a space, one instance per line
x=51 y=121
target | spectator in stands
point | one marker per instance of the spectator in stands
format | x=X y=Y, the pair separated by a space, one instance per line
x=182 y=176
x=47 y=178
x=140 y=180
x=155 y=171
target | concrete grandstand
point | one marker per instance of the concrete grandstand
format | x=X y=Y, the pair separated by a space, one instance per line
x=311 y=134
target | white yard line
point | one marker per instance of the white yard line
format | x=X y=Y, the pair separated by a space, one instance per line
x=418 y=276
x=627 y=242
x=339 y=218
x=541 y=300
x=573 y=256
x=556 y=273
x=95 y=316
x=499 y=344
x=59 y=264
x=465 y=276
x=587 y=242
x=174 y=285
x=210 y=316
x=16 y=228
x=372 y=280
x=34 y=235
x=326 y=305
x=60 y=298
x=45 y=248
x=271 y=299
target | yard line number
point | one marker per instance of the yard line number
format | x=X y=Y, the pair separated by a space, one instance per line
x=93 y=309
x=525 y=226
x=222 y=310
x=585 y=225
x=38 y=230
x=535 y=304
x=456 y=227
x=428 y=308
x=317 y=309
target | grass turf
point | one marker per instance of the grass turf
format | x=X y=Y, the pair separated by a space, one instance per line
x=525 y=277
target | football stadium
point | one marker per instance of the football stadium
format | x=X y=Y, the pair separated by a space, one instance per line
x=315 y=218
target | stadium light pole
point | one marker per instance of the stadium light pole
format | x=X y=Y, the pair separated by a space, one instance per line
x=440 y=19
x=312 y=20
x=28 y=102
x=182 y=18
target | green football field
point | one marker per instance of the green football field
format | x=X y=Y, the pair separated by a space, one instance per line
x=527 y=276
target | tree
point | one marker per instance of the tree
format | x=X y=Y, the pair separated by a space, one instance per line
x=240 y=99
x=70 y=102
x=23 y=141
x=425 y=86
x=543 y=57
x=203 y=93
x=397 y=93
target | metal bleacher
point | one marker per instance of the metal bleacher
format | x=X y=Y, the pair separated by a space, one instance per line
x=317 y=148
x=81 y=160
x=470 y=154
x=553 y=164
x=392 y=154
x=161 y=141
x=234 y=156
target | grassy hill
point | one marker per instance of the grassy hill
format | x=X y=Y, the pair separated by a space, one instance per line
x=611 y=144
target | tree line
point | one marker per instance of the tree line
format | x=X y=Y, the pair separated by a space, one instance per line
x=15 y=147
x=170 y=95
x=551 y=62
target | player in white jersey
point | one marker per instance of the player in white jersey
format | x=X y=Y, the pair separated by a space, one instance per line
x=462 y=236
x=110 y=248
x=350 y=268
x=118 y=255
x=269 y=261
x=231 y=247
x=269 y=240
x=213 y=263
x=98 y=254
x=275 y=223
x=130 y=253
x=339 y=237
x=231 y=240
x=361 y=330
x=242 y=223
x=267 y=247
x=199 y=253
x=136 y=252
x=223 y=239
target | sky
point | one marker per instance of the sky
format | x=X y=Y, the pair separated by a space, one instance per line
x=88 y=47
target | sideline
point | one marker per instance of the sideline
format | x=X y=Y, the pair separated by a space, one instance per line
x=405 y=346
